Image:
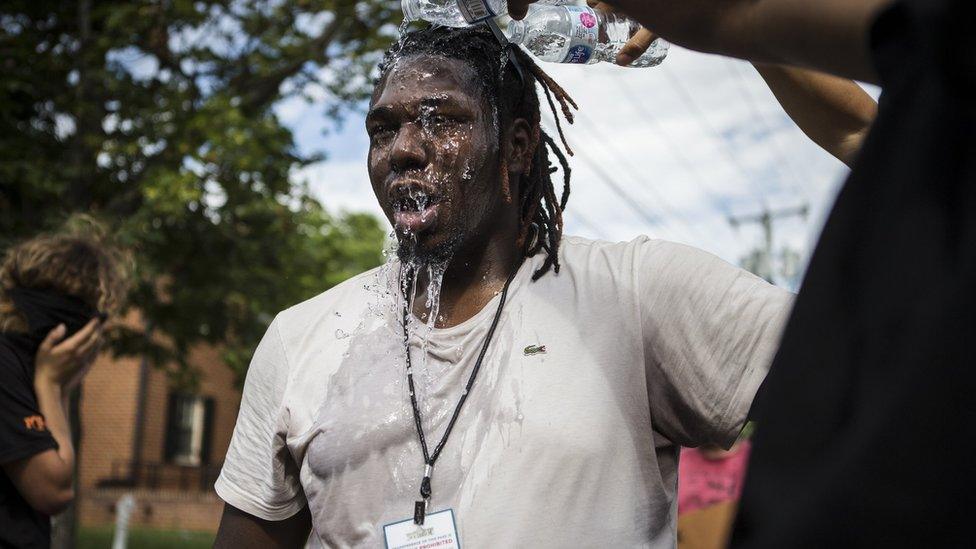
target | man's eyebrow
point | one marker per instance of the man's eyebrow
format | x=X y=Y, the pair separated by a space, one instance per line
x=440 y=101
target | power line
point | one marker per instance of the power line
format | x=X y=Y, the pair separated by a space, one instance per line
x=761 y=260
x=664 y=205
x=700 y=116
x=635 y=205
x=750 y=101
x=577 y=216
x=676 y=152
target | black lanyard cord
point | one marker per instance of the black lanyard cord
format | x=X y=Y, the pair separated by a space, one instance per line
x=431 y=459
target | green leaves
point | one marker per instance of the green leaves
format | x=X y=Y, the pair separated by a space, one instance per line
x=156 y=117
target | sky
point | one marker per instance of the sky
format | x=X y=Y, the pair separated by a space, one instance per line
x=670 y=152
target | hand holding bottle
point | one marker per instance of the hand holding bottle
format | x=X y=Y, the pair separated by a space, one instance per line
x=584 y=35
x=831 y=36
x=697 y=24
x=638 y=43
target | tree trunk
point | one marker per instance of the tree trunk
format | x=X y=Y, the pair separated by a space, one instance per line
x=80 y=190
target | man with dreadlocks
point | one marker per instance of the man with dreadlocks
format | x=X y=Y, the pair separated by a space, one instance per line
x=496 y=382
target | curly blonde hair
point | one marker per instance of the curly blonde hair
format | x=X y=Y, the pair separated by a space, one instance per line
x=79 y=260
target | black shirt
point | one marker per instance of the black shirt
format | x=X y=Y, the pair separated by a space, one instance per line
x=22 y=434
x=867 y=419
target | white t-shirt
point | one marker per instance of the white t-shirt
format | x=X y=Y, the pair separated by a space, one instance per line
x=648 y=345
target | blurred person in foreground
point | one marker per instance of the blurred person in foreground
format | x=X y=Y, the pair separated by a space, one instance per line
x=867 y=415
x=56 y=291
x=606 y=357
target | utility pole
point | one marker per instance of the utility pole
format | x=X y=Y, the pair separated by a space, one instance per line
x=760 y=261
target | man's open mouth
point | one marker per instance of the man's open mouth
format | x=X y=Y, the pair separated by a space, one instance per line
x=414 y=210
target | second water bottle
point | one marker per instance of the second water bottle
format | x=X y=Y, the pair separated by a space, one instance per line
x=552 y=32
x=577 y=34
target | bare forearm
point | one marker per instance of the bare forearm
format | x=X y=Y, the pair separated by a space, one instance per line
x=834 y=112
x=53 y=405
x=46 y=480
x=827 y=35
x=240 y=530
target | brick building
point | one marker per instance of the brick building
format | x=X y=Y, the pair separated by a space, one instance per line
x=142 y=436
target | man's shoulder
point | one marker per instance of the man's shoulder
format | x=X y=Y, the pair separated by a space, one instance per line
x=638 y=261
x=579 y=244
x=640 y=246
x=576 y=251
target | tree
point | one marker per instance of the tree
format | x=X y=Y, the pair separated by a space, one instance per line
x=157 y=117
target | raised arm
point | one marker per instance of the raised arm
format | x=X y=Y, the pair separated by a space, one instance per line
x=826 y=35
x=833 y=112
x=46 y=479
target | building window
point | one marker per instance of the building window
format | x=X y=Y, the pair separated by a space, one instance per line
x=188 y=427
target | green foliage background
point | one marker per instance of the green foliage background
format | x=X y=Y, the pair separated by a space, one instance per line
x=156 y=117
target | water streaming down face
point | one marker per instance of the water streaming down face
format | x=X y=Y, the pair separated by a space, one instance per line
x=434 y=165
x=365 y=424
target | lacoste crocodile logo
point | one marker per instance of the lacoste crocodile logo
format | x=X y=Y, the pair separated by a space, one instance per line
x=534 y=350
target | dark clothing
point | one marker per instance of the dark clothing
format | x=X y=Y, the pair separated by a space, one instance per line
x=866 y=422
x=22 y=434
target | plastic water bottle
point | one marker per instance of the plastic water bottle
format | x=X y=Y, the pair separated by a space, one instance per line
x=459 y=13
x=577 y=34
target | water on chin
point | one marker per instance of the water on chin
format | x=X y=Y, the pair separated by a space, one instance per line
x=420 y=324
x=396 y=286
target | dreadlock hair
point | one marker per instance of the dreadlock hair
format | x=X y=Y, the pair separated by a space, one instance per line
x=540 y=211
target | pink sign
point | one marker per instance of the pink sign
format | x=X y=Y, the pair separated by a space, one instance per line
x=709 y=477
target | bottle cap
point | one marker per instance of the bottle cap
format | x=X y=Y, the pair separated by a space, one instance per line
x=514 y=31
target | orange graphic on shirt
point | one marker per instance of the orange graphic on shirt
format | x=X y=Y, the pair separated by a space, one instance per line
x=35 y=423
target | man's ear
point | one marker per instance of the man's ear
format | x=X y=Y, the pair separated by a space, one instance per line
x=519 y=139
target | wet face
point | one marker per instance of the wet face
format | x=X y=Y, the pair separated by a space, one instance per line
x=433 y=156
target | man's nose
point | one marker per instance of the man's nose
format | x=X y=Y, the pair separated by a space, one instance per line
x=409 y=151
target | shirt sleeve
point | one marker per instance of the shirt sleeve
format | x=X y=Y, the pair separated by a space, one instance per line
x=710 y=330
x=259 y=475
x=23 y=432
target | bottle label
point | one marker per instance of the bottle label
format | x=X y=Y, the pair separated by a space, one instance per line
x=583 y=36
x=475 y=11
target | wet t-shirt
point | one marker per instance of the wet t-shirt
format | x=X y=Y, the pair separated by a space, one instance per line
x=569 y=437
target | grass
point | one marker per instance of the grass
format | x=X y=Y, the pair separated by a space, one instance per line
x=140 y=538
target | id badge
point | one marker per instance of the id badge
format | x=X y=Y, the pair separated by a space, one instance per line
x=439 y=531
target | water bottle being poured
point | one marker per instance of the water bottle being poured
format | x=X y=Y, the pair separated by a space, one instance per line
x=578 y=34
x=459 y=13
x=552 y=31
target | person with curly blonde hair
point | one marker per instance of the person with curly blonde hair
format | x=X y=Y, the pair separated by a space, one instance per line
x=56 y=291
